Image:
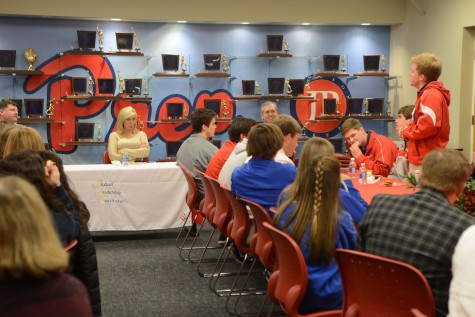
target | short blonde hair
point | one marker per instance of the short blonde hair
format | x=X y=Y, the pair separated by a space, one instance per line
x=23 y=138
x=29 y=244
x=264 y=140
x=287 y=124
x=429 y=65
x=124 y=114
x=349 y=124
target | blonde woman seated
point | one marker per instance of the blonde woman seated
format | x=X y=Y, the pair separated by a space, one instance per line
x=32 y=261
x=309 y=210
x=128 y=138
x=23 y=138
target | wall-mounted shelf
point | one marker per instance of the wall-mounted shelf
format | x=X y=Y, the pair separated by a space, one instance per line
x=38 y=120
x=171 y=74
x=272 y=97
x=170 y=121
x=223 y=120
x=118 y=53
x=82 y=143
x=23 y=72
x=117 y=98
x=332 y=74
x=371 y=74
x=338 y=118
x=213 y=75
x=274 y=55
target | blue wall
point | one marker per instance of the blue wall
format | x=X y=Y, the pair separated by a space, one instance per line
x=307 y=44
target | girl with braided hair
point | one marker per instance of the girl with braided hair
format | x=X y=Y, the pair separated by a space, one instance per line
x=309 y=210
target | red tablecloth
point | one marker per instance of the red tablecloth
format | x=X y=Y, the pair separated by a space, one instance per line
x=369 y=190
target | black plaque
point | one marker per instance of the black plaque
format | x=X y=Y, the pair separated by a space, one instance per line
x=86 y=39
x=331 y=63
x=34 y=107
x=297 y=86
x=375 y=105
x=274 y=43
x=212 y=62
x=174 y=110
x=125 y=41
x=106 y=86
x=170 y=62
x=84 y=131
x=276 y=86
x=213 y=104
x=248 y=87
x=172 y=148
x=78 y=85
x=7 y=58
x=337 y=144
x=354 y=105
x=371 y=63
x=133 y=87
x=329 y=106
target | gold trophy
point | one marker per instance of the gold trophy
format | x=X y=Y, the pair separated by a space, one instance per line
x=100 y=37
x=49 y=111
x=225 y=108
x=288 y=88
x=30 y=57
x=136 y=40
x=383 y=63
x=99 y=131
x=89 y=84
x=366 y=104
x=257 y=89
x=145 y=87
x=389 y=112
x=343 y=61
x=121 y=83
x=225 y=63
x=286 y=47
x=184 y=66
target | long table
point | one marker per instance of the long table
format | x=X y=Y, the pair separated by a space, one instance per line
x=368 y=191
x=145 y=196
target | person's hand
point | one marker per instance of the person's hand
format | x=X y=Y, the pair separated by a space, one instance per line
x=52 y=174
x=355 y=150
x=344 y=177
x=144 y=145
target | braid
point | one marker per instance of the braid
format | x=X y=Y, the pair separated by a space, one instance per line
x=317 y=195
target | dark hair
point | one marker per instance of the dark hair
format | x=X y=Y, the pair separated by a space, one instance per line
x=29 y=165
x=406 y=111
x=264 y=141
x=5 y=102
x=199 y=117
x=78 y=205
x=240 y=126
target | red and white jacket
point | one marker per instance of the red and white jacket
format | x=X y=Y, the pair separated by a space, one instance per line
x=380 y=154
x=430 y=129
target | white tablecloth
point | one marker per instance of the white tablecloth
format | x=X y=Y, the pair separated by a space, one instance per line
x=145 y=196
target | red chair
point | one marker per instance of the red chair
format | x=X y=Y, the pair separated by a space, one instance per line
x=344 y=160
x=288 y=283
x=378 y=286
x=105 y=158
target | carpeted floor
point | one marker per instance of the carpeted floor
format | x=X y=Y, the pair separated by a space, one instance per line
x=141 y=274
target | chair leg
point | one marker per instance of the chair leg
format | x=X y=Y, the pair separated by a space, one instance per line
x=179 y=246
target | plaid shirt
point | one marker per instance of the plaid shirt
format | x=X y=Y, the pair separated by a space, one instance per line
x=421 y=229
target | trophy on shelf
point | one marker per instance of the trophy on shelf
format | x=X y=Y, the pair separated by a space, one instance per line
x=288 y=87
x=145 y=87
x=366 y=105
x=286 y=47
x=99 y=131
x=383 y=63
x=184 y=66
x=121 y=83
x=49 y=111
x=30 y=57
x=140 y=123
x=343 y=61
x=89 y=84
x=225 y=63
x=389 y=112
x=225 y=108
x=136 y=40
x=100 y=37
x=258 y=89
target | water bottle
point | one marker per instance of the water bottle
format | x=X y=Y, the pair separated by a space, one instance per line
x=125 y=157
x=362 y=175
x=352 y=168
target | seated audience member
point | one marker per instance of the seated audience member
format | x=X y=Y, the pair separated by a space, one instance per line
x=235 y=159
x=6 y=129
x=350 y=197
x=128 y=138
x=422 y=228
x=291 y=130
x=46 y=178
x=237 y=131
x=262 y=179
x=376 y=151
x=32 y=261
x=309 y=211
x=197 y=151
x=462 y=287
x=404 y=118
x=84 y=261
x=400 y=169
x=8 y=111
x=269 y=111
x=23 y=138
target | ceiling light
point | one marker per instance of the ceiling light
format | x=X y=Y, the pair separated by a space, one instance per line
x=181 y=21
x=116 y=19
x=305 y=23
x=244 y=22
x=365 y=23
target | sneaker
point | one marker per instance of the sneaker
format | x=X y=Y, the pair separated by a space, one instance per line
x=192 y=231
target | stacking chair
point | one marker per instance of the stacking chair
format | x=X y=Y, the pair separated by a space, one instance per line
x=105 y=158
x=190 y=198
x=288 y=283
x=378 y=286
x=344 y=160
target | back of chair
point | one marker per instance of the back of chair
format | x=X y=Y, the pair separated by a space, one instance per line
x=209 y=201
x=288 y=283
x=344 y=160
x=262 y=245
x=192 y=193
x=378 y=286
x=222 y=214
x=105 y=158
x=239 y=229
